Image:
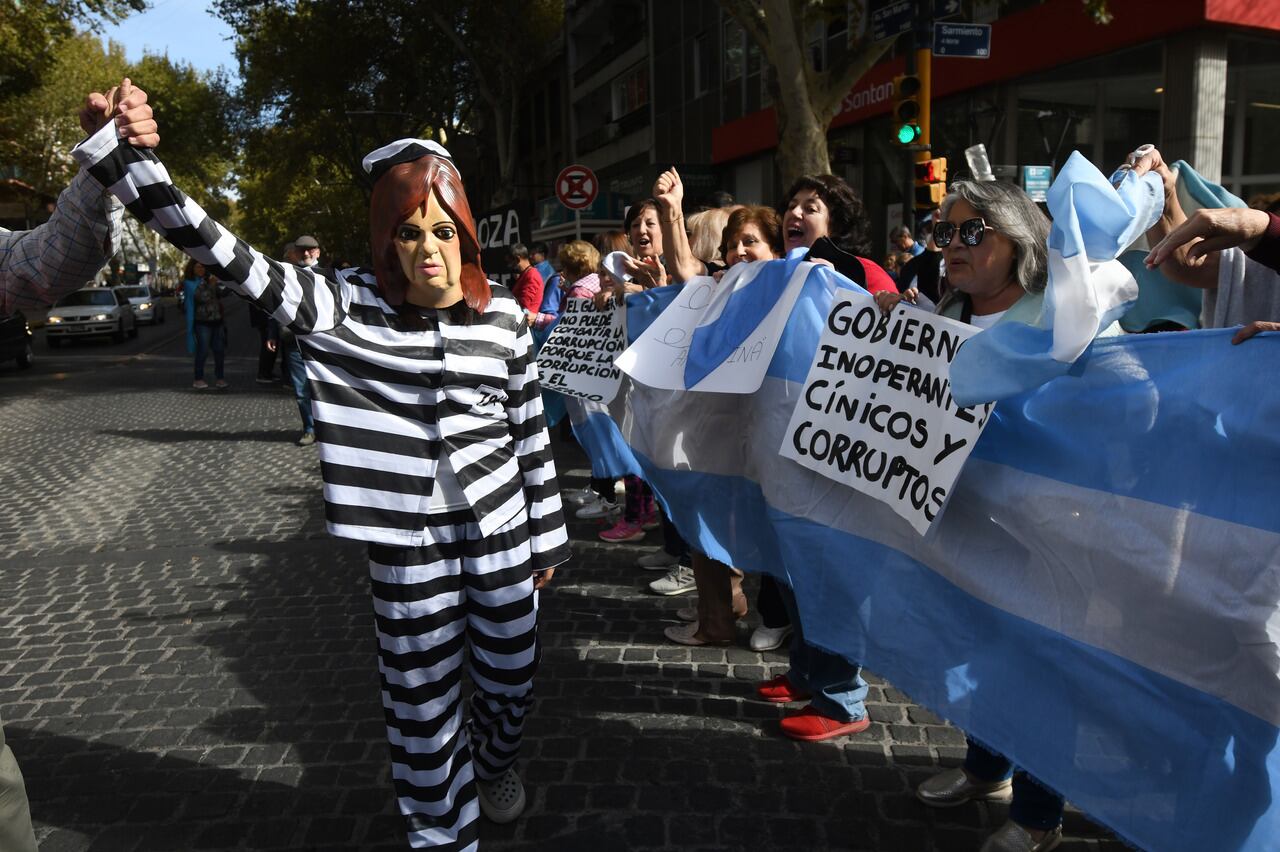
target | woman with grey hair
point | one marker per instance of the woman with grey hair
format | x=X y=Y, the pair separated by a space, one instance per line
x=994 y=242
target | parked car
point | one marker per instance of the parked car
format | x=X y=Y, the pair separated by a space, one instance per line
x=15 y=339
x=146 y=304
x=90 y=312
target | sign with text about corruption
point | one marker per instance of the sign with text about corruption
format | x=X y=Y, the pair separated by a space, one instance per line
x=577 y=359
x=876 y=412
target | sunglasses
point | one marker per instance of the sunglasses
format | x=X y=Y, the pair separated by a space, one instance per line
x=971 y=232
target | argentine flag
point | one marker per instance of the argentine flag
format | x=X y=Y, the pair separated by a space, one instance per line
x=1088 y=289
x=1100 y=601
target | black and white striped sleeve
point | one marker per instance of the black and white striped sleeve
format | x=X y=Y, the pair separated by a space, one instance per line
x=548 y=538
x=297 y=297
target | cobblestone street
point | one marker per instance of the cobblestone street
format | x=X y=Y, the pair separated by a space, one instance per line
x=187 y=658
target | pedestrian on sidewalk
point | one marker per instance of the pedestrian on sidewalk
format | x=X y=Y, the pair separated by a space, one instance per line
x=208 y=325
x=38 y=267
x=434 y=451
x=304 y=251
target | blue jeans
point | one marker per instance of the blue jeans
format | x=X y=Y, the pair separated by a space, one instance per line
x=1033 y=806
x=301 y=391
x=836 y=684
x=210 y=337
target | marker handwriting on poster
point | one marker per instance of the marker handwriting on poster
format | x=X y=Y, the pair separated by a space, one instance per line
x=577 y=359
x=658 y=358
x=876 y=411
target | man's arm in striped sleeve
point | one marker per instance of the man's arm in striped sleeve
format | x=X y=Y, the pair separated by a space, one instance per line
x=548 y=538
x=302 y=299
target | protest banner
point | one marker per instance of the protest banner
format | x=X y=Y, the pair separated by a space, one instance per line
x=661 y=357
x=876 y=412
x=577 y=359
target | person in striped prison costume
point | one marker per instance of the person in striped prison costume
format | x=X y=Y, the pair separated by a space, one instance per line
x=433 y=450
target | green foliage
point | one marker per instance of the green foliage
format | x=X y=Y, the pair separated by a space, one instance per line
x=31 y=30
x=38 y=129
x=323 y=82
x=1098 y=11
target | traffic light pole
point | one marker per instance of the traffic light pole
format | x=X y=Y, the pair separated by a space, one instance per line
x=909 y=193
x=924 y=70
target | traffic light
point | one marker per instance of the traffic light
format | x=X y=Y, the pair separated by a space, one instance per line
x=931 y=183
x=906 y=109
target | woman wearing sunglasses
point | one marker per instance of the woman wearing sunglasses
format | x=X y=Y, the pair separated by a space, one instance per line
x=994 y=243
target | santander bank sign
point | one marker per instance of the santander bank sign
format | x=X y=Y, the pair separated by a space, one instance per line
x=870 y=96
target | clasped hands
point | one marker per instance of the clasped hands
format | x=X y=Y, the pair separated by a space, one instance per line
x=127 y=106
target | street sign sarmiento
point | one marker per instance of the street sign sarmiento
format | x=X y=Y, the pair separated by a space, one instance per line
x=969 y=41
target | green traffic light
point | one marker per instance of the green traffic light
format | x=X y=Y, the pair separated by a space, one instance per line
x=908 y=133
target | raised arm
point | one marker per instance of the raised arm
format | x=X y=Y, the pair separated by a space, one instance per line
x=1178 y=265
x=668 y=191
x=303 y=299
x=40 y=266
x=548 y=540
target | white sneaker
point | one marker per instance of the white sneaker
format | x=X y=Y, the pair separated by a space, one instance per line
x=767 y=638
x=598 y=508
x=659 y=560
x=677 y=581
x=581 y=496
x=502 y=799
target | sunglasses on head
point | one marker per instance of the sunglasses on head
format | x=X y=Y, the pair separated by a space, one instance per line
x=971 y=232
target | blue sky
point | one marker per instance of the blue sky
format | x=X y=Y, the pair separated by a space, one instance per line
x=184 y=29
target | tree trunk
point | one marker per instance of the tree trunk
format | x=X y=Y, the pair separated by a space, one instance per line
x=802 y=142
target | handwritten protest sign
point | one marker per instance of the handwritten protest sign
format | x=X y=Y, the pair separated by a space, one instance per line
x=577 y=359
x=876 y=412
x=658 y=357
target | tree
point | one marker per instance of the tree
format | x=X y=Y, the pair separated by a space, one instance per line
x=805 y=97
x=31 y=30
x=503 y=41
x=323 y=83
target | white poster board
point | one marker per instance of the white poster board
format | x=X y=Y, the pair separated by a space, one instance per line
x=657 y=358
x=876 y=412
x=577 y=359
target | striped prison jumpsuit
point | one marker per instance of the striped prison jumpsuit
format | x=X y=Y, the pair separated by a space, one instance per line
x=392 y=401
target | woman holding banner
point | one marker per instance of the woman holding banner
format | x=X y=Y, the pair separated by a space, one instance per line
x=750 y=233
x=825 y=218
x=994 y=244
x=433 y=451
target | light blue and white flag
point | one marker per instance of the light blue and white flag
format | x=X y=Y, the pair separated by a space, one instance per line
x=718 y=336
x=1101 y=599
x=1088 y=289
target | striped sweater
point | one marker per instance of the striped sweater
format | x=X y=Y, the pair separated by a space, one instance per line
x=388 y=401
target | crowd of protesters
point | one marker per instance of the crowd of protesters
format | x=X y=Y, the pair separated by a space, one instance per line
x=493 y=533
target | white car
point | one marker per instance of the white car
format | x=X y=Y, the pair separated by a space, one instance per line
x=90 y=312
x=146 y=305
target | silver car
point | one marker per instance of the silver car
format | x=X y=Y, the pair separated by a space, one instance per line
x=90 y=312
x=146 y=305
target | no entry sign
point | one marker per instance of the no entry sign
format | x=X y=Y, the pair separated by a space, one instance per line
x=577 y=187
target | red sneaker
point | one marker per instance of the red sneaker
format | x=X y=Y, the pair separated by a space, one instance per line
x=623 y=531
x=810 y=725
x=780 y=691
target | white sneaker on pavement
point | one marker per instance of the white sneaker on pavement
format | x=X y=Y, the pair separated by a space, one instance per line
x=597 y=508
x=659 y=560
x=677 y=581
x=580 y=496
x=767 y=638
x=502 y=799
